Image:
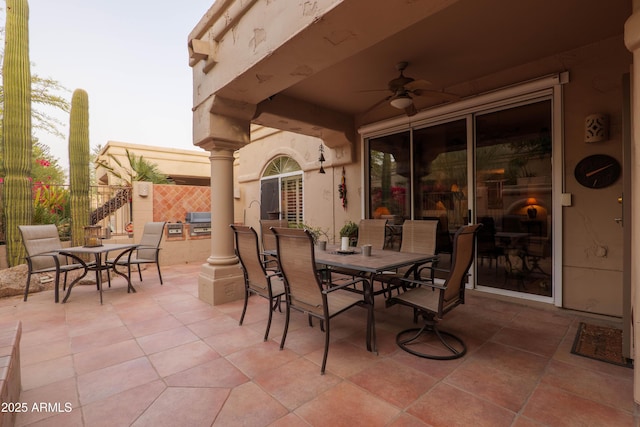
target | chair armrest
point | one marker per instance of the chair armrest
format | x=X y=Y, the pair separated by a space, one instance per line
x=423 y=283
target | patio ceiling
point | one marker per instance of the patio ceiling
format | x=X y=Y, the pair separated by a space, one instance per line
x=468 y=47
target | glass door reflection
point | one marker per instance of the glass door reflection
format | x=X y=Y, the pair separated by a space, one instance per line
x=513 y=198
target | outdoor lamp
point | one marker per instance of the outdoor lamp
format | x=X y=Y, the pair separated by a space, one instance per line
x=92 y=236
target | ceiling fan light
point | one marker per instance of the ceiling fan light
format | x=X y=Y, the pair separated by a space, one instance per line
x=401 y=102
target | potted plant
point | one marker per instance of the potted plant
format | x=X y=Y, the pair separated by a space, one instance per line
x=350 y=230
x=318 y=234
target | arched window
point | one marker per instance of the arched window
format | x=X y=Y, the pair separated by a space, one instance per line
x=281 y=190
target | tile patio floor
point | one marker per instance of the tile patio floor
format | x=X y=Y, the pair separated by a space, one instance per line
x=161 y=357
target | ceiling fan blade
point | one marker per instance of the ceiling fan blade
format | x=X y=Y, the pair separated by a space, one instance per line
x=372 y=90
x=445 y=96
x=377 y=104
x=417 y=85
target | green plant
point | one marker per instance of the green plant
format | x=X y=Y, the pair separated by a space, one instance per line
x=349 y=229
x=139 y=170
x=79 y=164
x=16 y=128
x=51 y=206
x=316 y=232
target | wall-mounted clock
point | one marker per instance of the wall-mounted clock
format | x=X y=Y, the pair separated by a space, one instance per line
x=597 y=171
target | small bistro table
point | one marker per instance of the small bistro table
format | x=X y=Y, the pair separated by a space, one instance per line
x=100 y=254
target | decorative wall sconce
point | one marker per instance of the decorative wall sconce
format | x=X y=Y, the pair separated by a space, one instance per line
x=596 y=128
x=321 y=159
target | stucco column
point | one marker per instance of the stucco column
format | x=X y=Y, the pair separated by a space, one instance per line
x=632 y=41
x=221 y=279
x=221 y=126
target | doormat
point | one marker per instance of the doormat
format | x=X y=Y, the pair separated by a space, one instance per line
x=600 y=343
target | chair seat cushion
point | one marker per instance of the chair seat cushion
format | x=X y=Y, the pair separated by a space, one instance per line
x=423 y=298
x=339 y=301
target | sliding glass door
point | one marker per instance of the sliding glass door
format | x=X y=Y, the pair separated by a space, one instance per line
x=513 y=198
x=487 y=166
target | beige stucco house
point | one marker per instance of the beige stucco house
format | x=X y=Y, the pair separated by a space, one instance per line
x=183 y=167
x=519 y=114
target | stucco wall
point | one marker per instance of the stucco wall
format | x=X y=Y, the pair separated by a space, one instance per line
x=592 y=264
x=322 y=207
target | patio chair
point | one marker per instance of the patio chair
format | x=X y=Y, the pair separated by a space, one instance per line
x=266 y=236
x=257 y=280
x=305 y=291
x=43 y=247
x=418 y=236
x=433 y=301
x=372 y=232
x=269 y=240
x=147 y=253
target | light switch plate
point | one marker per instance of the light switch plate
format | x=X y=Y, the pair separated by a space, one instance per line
x=566 y=199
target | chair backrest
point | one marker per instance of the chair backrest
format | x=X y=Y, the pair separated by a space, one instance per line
x=296 y=258
x=464 y=244
x=248 y=252
x=151 y=237
x=267 y=237
x=38 y=239
x=419 y=236
x=372 y=232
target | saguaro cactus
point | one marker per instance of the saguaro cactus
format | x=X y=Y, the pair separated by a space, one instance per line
x=16 y=128
x=79 y=164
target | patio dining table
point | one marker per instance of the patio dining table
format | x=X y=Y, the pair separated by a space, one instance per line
x=379 y=262
x=100 y=254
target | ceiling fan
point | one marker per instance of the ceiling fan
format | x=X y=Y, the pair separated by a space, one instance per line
x=403 y=89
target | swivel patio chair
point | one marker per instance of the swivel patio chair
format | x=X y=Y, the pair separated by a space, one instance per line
x=305 y=291
x=257 y=280
x=432 y=301
x=147 y=253
x=43 y=247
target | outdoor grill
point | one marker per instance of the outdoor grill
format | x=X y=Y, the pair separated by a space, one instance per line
x=200 y=223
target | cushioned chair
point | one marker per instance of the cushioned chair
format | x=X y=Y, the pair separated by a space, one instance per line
x=42 y=244
x=305 y=291
x=257 y=280
x=432 y=301
x=147 y=253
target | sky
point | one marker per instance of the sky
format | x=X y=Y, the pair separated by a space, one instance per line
x=130 y=56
